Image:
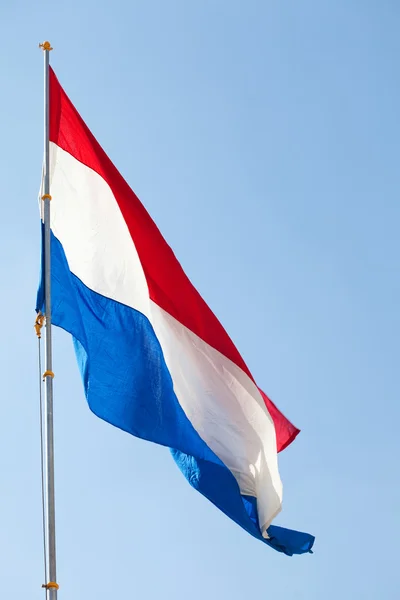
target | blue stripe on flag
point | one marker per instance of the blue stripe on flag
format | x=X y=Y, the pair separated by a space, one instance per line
x=127 y=383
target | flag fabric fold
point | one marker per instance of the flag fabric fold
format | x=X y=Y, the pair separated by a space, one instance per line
x=154 y=359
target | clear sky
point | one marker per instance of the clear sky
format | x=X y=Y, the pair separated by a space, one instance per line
x=263 y=137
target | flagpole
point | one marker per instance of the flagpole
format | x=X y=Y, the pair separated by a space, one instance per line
x=50 y=585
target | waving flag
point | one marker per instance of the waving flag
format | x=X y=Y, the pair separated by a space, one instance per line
x=155 y=361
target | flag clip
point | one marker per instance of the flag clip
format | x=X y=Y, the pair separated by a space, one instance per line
x=52 y=585
x=48 y=374
x=39 y=324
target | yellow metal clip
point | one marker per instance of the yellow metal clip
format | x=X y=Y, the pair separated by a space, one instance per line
x=39 y=324
x=52 y=585
x=48 y=374
x=46 y=197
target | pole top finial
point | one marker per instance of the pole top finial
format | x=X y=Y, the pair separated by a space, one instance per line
x=46 y=46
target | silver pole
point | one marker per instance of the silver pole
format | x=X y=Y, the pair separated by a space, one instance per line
x=51 y=585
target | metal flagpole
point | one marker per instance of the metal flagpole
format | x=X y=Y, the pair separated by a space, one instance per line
x=51 y=585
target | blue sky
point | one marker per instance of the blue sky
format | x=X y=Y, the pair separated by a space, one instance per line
x=263 y=137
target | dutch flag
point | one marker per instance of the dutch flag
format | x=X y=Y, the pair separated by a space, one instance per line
x=155 y=361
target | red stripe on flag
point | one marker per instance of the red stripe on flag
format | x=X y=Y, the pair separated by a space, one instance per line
x=169 y=287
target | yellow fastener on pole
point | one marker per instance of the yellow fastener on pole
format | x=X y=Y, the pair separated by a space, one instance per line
x=51 y=585
x=48 y=374
x=46 y=46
